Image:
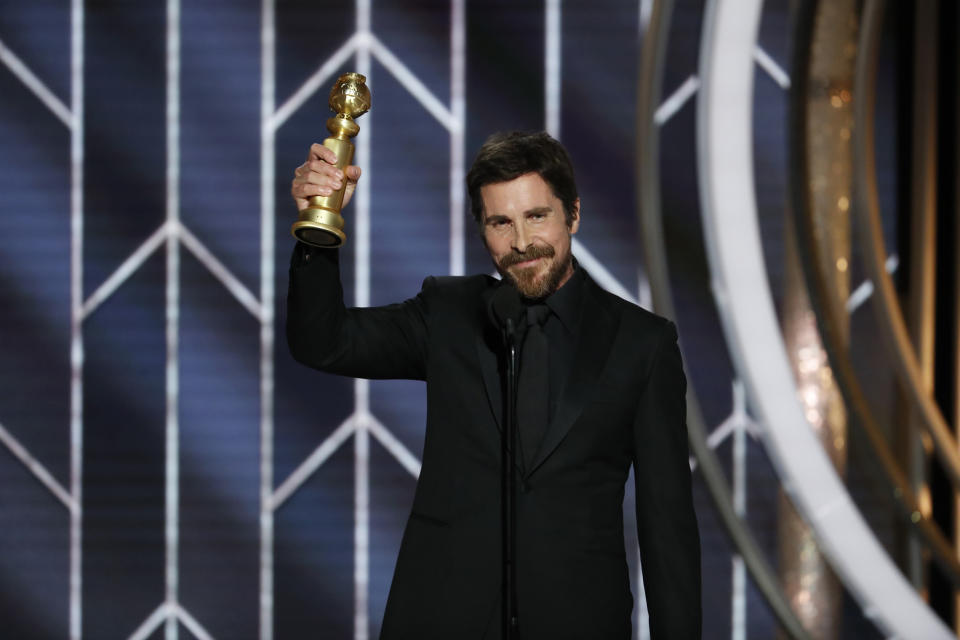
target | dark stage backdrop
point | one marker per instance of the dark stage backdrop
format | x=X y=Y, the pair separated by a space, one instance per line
x=165 y=467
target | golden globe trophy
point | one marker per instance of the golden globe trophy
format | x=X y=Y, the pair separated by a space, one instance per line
x=321 y=224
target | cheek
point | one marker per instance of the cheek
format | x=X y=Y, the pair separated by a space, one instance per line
x=495 y=246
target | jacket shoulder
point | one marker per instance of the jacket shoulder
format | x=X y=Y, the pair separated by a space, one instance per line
x=458 y=283
x=633 y=315
x=457 y=288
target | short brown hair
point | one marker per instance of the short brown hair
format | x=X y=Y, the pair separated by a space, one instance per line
x=509 y=155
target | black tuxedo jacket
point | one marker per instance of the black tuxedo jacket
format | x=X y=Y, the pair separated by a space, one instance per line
x=623 y=404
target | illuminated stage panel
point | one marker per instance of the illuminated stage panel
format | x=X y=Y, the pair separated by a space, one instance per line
x=125 y=136
x=391 y=494
x=313 y=554
x=219 y=455
x=220 y=136
x=123 y=502
x=34 y=276
x=38 y=34
x=409 y=177
x=34 y=560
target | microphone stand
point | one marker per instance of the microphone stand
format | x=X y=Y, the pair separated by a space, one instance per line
x=508 y=456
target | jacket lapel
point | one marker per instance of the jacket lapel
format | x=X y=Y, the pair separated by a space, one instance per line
x=487 y=357
x=489 y=345
x=597 y=330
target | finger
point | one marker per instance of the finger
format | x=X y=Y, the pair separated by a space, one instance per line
x=320 y=167
x=330 y=182
x=307 y=189
x=320 y=152
x=353 y=173
x=302 y=203
x=322 y=174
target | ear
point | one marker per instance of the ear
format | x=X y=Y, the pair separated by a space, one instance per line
x=575 y=223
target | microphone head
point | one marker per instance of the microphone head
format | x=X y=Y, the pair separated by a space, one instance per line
x=505 y=305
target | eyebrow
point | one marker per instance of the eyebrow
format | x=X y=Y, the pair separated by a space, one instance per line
x=497 y=217
x=538 y=210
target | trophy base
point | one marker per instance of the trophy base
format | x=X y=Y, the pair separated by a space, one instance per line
x=320 y=228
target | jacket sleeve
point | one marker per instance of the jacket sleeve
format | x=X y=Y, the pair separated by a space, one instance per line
x=666 y=522
x=375 y=342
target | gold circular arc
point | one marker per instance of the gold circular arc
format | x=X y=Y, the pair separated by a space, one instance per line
x=826 y=305
x=867 y=212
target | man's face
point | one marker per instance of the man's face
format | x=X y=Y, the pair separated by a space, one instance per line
x=525 y=230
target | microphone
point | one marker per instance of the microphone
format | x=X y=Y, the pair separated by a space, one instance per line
x=506 y=310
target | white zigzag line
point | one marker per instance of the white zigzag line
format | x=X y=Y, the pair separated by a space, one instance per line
x=190 y=622
x=267 y=205
x=600 y=273
x=669 y=107
x=413 y=84
x=32 y=82
x=37 y=469
x=242 y=294
x=173 y=228
x=125 y=270
x=865 y=290
x=738 y=419
x=552 y=67
x=300 y=475
x=76 y=319
x=403 y=75
x=153 y=621
x=315 y=81
x=773 y=70
x=171 y=529
x=677 y=99
x=394 y=447
x=167 y=611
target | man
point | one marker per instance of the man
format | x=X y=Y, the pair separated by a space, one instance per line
x=615 y=397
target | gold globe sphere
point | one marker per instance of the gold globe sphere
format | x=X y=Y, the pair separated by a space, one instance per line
x=350 y=96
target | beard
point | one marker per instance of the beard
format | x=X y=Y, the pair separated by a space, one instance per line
x=526 y=280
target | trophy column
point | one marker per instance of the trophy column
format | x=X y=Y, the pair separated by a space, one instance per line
x=321 y=224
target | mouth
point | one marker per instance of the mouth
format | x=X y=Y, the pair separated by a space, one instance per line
x=527 y=263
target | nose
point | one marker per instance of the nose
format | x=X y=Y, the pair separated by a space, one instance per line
x=521 y=238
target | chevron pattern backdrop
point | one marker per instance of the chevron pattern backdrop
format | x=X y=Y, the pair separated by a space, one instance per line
x=166 y=469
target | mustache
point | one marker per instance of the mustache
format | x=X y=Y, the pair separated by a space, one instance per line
x=536 y=251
